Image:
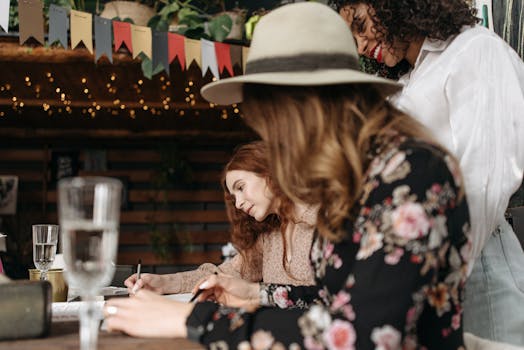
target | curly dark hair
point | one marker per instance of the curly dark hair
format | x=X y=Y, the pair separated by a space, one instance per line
x=245 y=230
x=403 y=20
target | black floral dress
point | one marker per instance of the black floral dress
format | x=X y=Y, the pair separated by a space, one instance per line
x=395 y=282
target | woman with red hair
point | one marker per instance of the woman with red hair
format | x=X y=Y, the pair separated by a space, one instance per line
x=272 y=234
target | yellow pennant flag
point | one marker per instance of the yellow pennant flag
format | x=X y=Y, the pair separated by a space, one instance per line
x=245 y=51
x=82 y=29
x=193 y=52
x=141 y=41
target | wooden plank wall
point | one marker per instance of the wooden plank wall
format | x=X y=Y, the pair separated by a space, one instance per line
x=189 y=216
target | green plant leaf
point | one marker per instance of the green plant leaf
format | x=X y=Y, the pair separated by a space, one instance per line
x=190 y=17
x=147 y=67
x=167 y=11
x=220 y=27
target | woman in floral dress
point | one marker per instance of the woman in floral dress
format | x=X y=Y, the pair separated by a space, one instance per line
x=392 y=228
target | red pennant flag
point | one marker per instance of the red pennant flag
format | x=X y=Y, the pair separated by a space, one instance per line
x=176 y=48
x=122 y=33
x=223 y=54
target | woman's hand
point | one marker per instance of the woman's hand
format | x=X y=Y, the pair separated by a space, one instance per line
x=152 y=282
x=147 y=315
x=229 y=291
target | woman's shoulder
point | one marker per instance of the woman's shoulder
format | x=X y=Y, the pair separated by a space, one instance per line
x=414 y=160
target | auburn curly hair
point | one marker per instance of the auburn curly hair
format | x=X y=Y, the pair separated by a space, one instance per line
x=400 y=21
x=245 y=230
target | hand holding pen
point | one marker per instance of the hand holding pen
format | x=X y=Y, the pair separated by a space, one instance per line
x=136 y=287
x=153 y=282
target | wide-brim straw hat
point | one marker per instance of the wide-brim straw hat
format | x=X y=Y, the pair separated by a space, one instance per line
x=302 y=44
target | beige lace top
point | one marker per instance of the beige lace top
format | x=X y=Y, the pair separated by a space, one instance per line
x=271 y=267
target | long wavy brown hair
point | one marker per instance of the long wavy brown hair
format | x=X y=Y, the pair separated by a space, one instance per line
x=245 y=230
x=321 y=140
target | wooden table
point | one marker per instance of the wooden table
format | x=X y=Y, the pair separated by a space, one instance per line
x=64 y=335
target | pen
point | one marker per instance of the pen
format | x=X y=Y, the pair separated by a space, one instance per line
x=138 y=269
x=193 y=298
x=139 y=266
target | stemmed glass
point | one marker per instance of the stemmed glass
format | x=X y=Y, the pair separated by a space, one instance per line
x=89 y=212
x=45 y=239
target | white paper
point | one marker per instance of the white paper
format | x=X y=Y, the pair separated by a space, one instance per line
x=68 y=311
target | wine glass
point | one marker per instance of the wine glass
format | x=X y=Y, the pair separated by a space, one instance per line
x=45 y=239
x=89 y=211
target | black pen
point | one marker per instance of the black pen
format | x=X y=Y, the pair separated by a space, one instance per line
x=193 y=298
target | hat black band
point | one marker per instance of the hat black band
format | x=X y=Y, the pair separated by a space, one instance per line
x=306 y=62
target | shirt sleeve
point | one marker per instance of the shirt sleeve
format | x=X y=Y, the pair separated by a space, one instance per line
x=485 y=91
x=184 y=282
x=288 y=296
x=397 y=280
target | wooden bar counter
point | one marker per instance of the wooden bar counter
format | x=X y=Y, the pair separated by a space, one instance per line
x=65 y=335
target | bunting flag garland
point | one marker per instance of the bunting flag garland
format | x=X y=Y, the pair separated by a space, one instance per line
x=161 y=47
x=122 y=35
x=160 y=51
x=141 y=41
x=57 y=25
x=103 y=38
x=82 y=29
x=236 y=55
x=176 y=48
x=209 y=58
x=223 y=55
x=4 y=15
x=245 y=52
x=31 y=18
x=193 y=52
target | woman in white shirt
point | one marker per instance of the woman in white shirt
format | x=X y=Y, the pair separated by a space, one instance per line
x=467 y=86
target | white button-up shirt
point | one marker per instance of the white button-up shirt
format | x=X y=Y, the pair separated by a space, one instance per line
x=469 y=91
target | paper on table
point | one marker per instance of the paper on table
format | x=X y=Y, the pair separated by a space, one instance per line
x=63 y=312
x=104 y=292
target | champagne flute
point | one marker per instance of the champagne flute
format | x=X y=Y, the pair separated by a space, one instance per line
x=89 y=211
x=45 y=239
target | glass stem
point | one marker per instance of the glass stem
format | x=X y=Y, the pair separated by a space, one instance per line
x=89 y=323
x=43 y=275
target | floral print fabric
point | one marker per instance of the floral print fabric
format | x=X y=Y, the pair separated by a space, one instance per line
x=395 y=281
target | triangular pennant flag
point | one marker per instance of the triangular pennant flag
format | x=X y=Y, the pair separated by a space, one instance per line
x=122 y=32
x=160 y=51
x=103 y=38
x=209 y=58
x=236 y=56
x=82 y=29
x=57 y=25
x=31 y=20
x=192 y=50
x=141 y=40
x=4 y=15
x=176 y=47
x=245 y=52
x=223 y=54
